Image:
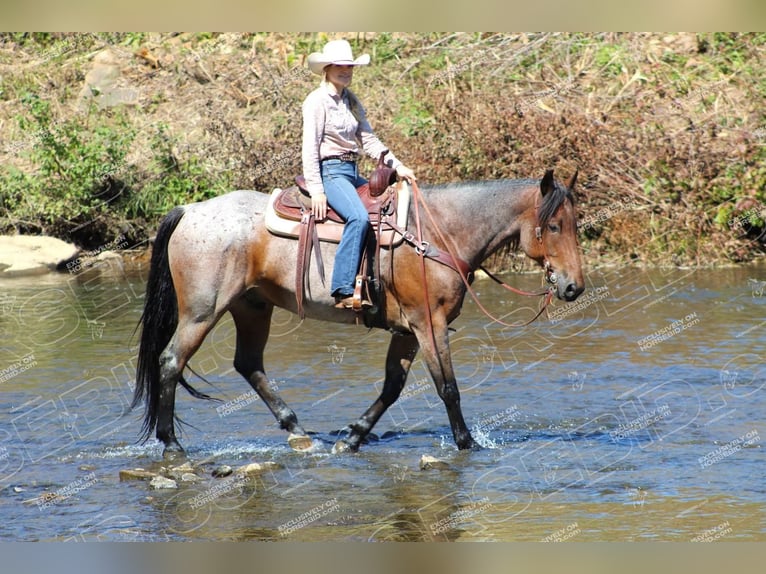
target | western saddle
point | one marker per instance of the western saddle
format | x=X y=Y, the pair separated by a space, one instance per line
x=293 y=207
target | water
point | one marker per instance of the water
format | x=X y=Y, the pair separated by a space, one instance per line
x=634 y=414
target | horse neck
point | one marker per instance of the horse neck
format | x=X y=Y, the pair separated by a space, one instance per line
x=479 y=219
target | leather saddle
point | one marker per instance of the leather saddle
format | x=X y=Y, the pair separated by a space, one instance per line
x=288 y=207
x=288 y=214
x=295 y=200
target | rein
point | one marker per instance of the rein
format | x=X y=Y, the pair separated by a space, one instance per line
x=459 y=265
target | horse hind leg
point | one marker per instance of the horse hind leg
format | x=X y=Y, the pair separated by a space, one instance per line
x=253 y=321
x=401 y=353
x=185 y=341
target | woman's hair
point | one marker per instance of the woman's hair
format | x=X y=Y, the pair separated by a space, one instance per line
x=353 y=102
x=354 y=105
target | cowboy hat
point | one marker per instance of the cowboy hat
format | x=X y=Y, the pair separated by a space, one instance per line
x=335 y=52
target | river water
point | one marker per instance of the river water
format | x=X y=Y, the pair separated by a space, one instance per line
x=634 y=414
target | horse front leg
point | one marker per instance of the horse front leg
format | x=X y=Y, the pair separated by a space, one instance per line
x=439 y=363
x=401 y=352
x=253 y=320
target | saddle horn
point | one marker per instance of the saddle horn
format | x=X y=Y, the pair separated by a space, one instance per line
x=382 y=176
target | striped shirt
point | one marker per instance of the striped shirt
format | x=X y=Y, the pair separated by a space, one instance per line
x=330 y=129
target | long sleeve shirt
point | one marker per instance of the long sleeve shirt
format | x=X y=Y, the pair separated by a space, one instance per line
x=330 y=129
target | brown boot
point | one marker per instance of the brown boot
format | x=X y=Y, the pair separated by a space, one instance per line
x=348 y=302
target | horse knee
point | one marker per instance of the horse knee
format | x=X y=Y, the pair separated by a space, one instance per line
x=449 y=394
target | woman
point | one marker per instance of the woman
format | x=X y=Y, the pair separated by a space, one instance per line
x=334 y=129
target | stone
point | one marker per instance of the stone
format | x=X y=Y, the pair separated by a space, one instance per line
x=256 y=468
x=137 y=474
x=428 y=462
x=159 y=482
x=300 y=442
x=190 y=477
x=221 y=471
x=22 y=255
x=104 y=83
x=180 y=470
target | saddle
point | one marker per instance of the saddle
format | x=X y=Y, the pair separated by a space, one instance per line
x=294 y=201
x=288 y=214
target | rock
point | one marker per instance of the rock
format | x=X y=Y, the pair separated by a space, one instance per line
x=221 y=471
x=22 y=255
x=190 y=477
x=104 y=83
x=137 y=474
x=256 y=468
x=180 y=470
x=428 y=462
x=299 y=442
x=45 y=499
x=159 y=482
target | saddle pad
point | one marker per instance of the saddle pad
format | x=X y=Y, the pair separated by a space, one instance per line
x=332 y=231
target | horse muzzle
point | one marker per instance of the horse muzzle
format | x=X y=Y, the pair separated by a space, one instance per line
x=568 y=290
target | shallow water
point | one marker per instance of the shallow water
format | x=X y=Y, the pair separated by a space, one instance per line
x=636 y=413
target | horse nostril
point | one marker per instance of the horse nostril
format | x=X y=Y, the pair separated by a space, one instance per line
x=572 y=291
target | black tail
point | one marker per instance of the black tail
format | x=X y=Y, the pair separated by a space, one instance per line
x=159 y=320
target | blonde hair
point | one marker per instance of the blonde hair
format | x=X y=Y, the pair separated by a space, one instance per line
x=354 y=105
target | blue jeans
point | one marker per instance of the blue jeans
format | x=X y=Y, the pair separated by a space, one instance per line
x=340 y=179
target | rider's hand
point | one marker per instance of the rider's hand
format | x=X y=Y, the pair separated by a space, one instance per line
x=319 y=206
x=406 y=173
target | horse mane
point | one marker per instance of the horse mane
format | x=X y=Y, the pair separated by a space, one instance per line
x=552 y=201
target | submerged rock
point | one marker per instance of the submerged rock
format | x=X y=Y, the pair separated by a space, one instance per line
x=256 y=468
x=159 y=482
x=137 y=474
x=221 y=471
x=428 y=462
x=180 y=470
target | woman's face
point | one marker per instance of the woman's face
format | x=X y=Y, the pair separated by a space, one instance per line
x=341 y=76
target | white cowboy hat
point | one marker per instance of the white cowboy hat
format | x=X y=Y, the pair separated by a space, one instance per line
x=335 y=52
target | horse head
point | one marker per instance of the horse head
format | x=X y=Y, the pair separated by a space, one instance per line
x=552 y=240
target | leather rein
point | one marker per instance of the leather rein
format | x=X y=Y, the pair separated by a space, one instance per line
x=450 y=259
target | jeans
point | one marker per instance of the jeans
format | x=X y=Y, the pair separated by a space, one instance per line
x=340 y=179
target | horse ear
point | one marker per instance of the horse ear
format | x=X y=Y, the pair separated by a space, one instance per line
x=546 y=184
x=572 y=181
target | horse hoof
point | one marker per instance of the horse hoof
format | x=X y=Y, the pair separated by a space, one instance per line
x=342 y=446
x=300 y=442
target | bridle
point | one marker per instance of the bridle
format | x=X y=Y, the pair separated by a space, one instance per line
x=550 y=274
x=460 y=265
x=463 y=269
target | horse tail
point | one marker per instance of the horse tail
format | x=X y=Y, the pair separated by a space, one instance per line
x=159 y=320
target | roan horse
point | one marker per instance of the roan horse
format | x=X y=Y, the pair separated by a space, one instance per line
x=217 y=256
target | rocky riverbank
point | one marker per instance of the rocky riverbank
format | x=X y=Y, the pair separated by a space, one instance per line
x=102 y=134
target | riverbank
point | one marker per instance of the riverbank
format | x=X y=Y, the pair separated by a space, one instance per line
x=105 y=133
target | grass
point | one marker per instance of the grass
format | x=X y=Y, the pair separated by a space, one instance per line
x=674 y=123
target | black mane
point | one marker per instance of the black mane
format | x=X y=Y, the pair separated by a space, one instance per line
x=552 y=201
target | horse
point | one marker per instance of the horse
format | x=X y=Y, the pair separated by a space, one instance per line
x=217 y=256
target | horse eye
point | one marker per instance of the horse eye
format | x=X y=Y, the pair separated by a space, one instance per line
x=553 y=228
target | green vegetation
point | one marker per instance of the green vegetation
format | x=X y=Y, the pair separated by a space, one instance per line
x=669 y=127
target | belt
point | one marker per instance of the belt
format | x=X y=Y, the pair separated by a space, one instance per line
x=348 y=156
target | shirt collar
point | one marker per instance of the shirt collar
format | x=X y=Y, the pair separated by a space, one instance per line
x=330 y=89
